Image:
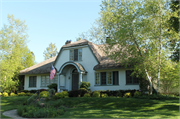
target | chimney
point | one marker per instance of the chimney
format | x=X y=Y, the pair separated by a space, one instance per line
x=68 y=41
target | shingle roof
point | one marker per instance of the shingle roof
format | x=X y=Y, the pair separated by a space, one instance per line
x=40 y=68
x=80 y=67
x=103 y=61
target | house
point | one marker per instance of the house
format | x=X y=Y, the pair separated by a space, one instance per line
x=76 y=62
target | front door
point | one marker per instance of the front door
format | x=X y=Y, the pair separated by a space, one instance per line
x=75 y=79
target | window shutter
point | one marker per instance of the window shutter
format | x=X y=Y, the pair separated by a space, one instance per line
x=75 y=54
x=34 y=81
x=128 y=77
x=30 y=81
x=115 y=78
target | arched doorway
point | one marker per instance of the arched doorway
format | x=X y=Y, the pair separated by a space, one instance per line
x=75 y=79
x=72 y=76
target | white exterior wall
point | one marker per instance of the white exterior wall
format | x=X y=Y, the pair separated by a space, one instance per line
x=63 y=57
x=122 y=82
x=88 y=62
x=38 y=82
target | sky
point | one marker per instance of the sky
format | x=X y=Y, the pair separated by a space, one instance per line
x=51 y=20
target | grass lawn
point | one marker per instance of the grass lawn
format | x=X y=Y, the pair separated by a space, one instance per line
x=10 y=103
x=110 y=107
x=121 y=108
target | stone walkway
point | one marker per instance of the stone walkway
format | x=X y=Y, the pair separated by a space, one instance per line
x=13 y=114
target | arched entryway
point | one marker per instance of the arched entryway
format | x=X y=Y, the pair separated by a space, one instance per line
x=70 y=76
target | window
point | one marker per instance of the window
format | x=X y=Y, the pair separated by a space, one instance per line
x=103 y=78
x=71 y=55
x=80 y=54
x=32 y=81
x=76 y=55
x=106 y=78
x=109 y=78
x=45 y=80
x=131 y=79
x=97 y=79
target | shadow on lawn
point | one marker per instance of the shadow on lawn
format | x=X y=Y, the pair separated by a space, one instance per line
x=124 y=108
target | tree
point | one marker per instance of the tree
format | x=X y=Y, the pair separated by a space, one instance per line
x=50 y=51
x=78 y=39
x=169 y=77
x=174 y=25
x=14 y=53
x=139 y=32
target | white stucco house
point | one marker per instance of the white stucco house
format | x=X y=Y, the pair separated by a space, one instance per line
x=76 y=62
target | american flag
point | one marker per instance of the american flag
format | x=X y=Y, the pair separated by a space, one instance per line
x=52 y=73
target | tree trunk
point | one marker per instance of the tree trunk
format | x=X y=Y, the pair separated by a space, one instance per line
x=160 y=47
x=149 y=79
x=147 y=74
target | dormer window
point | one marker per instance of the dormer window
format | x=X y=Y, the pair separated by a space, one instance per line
x=76 y=55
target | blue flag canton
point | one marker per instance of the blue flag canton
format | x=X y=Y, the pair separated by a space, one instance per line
x=52 y=68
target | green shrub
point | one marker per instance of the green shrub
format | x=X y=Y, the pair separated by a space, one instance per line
x=60 y=111
x=5 y=94
x=85 y=85
x=51 y=112
x=62 y=107
x=47 y=99
x=104 y=95
x=96 y=94
x=52 y=92
x=20 y=110
x=0 y=93
x=29 y=94
x=83 y=89
x=13 y=94
x=66 y=96
x=77 y=93
x=44 y=94
x=127 y=95
x=53 y=86
x=61 y=94
x=119 y=94
x=137 y=93
x=22 y=94
x=40 y=113
x=87 y=95
x=55 y=96
x=57 y=103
